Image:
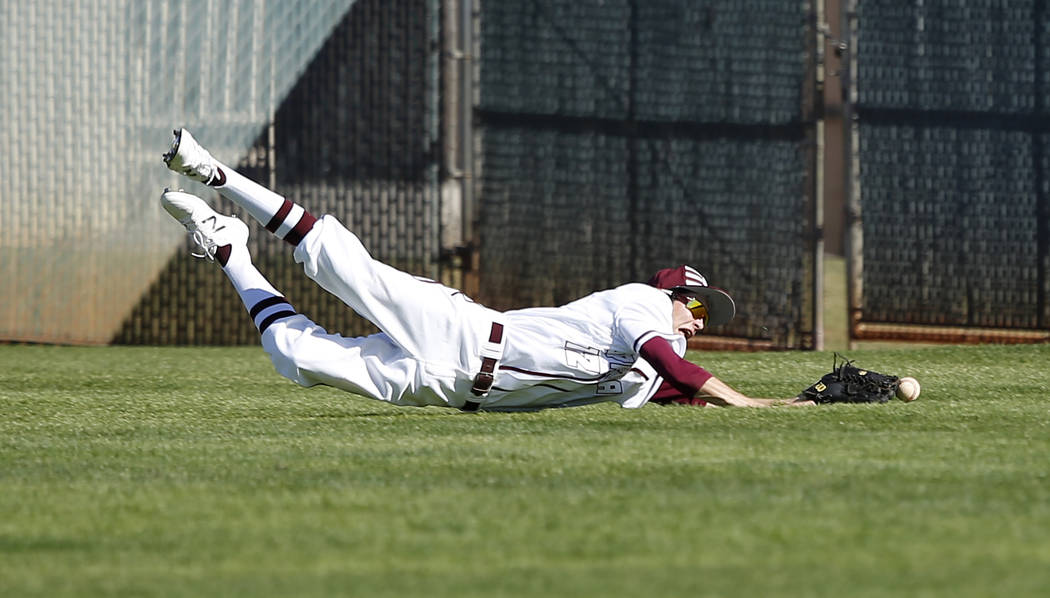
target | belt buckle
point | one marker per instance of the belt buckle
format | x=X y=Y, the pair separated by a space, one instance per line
x=491 y=353
x=482 y=383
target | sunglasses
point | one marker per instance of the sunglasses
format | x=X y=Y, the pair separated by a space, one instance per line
x=695 y=307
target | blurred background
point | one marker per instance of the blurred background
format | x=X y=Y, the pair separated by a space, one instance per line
x=857 y=169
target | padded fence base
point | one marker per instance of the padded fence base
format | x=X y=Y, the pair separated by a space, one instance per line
x=948 y=334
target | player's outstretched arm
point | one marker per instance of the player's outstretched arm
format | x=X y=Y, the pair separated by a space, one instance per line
x=693 y=381
x=716 y=392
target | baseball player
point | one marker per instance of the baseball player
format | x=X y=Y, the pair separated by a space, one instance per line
x=437 y=346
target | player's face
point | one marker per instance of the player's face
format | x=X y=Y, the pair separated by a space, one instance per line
x=688 y=316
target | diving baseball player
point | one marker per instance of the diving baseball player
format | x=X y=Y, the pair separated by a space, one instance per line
x=437 y=346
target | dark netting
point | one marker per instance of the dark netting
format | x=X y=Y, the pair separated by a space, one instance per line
x=952 y=165
x=735 y=62
x=950 y=226
x=355 y=139
x=733 y=209
x=962 y=55
x=625 y=137
x=669 y=60
x=556 y=216
x=565 y=58
x=552 y=234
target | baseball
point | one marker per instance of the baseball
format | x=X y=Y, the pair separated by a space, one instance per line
x=908 y=389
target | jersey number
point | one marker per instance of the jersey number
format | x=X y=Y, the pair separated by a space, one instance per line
x=587 y=359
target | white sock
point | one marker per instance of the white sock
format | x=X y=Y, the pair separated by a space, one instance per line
x=264 y=303
x=287 y=220
x=260 y=202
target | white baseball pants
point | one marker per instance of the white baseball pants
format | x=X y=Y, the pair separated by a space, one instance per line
x=432 y=336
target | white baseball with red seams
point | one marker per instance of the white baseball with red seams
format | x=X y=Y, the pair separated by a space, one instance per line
x=908 y=389
x=433 y=337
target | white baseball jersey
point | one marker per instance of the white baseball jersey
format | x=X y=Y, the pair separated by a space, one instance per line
x=433 y=338
x=585 y=351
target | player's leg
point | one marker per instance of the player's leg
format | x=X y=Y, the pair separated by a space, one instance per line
x=224 y=239
x=427 y=319
x=287 y=220
x=373 y=366
x=439 y=324
x=300 y=350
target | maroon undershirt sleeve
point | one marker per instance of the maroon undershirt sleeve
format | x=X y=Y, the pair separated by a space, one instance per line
x=681 y=379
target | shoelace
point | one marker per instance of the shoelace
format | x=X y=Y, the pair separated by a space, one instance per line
x=205 y=242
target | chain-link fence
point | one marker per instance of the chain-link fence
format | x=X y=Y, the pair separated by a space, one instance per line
x=356 y=138
x=952 y=177
x=91 y=91
x=622 y=137
x=615 y=138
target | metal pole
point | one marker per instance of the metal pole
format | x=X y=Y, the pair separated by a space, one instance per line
x=854 y=221
x=814 y=113
x=1043 y=200
x=466 y=144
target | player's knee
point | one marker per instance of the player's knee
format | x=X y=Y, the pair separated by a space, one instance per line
x=284 y=342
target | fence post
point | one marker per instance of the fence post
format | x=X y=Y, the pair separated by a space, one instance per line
x=459 y=210
x=854 y=222
x=1038 y=156
x=813 y=117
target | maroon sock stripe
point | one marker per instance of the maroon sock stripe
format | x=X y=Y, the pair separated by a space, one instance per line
x=279 y=217
x=219 y=179
x=304 y=225
x=268 y=302
x=273 y=318
x=222 y=254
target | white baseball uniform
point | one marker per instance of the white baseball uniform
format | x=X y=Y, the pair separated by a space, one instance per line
x=434 y=338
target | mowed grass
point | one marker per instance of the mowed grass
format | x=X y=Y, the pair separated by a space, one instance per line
x=200 y=472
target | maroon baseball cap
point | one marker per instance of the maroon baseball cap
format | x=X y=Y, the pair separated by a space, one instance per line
x=720 y=306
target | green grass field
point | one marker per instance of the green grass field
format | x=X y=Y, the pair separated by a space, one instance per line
x=200 y=472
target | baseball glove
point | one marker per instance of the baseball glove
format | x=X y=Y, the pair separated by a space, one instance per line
x=846 y=383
